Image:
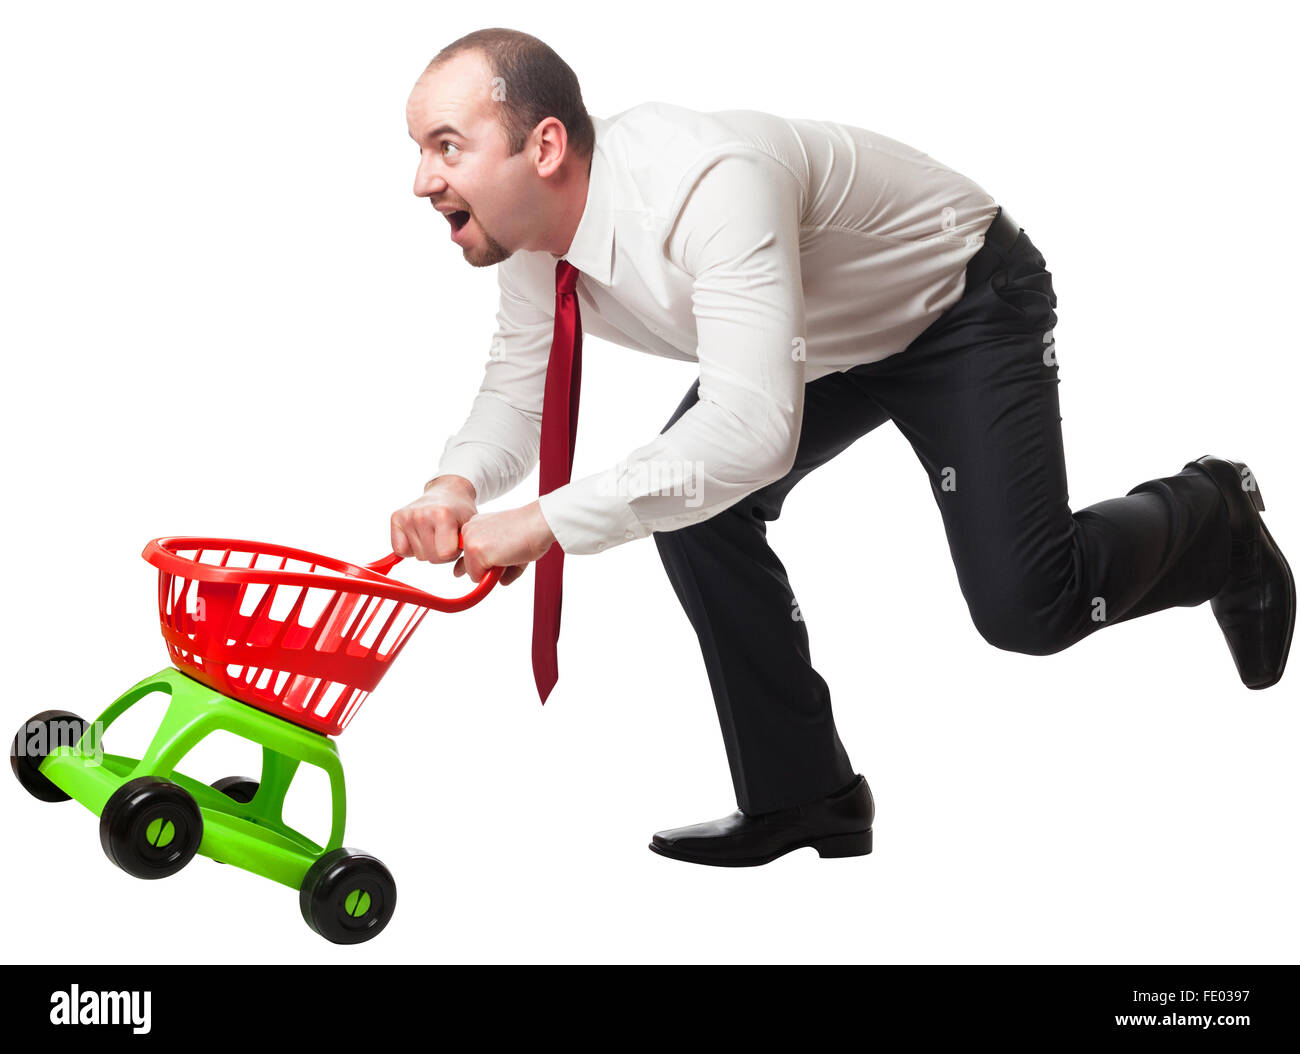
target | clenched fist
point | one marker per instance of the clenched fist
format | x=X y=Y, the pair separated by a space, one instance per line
x=428 y=527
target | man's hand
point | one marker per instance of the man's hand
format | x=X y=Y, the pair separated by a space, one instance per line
x=511 y=539
x=428 y=527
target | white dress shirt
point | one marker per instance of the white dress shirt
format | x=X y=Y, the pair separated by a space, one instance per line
x=771 y=251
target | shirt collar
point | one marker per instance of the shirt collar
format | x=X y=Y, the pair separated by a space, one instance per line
x=592 y=248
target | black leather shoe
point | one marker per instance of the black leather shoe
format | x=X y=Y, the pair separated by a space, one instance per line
x=837 y=825
x=1256 y=606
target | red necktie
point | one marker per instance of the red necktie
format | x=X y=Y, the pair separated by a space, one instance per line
x=559 y=434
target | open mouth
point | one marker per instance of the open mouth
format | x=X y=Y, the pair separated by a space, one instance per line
x=457 y=220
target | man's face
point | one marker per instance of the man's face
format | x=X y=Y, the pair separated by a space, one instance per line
x=465 y=170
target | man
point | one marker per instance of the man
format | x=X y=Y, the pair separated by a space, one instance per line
x=826 y=279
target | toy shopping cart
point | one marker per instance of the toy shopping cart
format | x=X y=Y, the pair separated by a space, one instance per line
x=277 y=645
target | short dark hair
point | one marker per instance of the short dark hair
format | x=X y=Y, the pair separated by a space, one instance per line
x=535 y=84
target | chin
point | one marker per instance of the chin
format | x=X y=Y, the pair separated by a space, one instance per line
x=487 y=257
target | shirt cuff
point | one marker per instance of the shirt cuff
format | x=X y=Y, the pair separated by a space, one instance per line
x=591 y=515
x=462 y=463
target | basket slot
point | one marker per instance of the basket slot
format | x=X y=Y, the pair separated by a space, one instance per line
x=352 y=707
x=358 y=632
x=257 y=628
x=287 y=603
x=392 y=621
x=392 y=632
x=262 y=613
x=371 y=605
x=296 y=694
x=296 y=691
x=327 y=702
x=243 y=627
x=406 y=634
x=318 y=602
x=289 y=635
x=317 y=692
x=324 y=627
x=251 y=597
x=176 y=598
x=330 y=637
x=373 y=629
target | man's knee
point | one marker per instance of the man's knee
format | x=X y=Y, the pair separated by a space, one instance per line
x=1010 y=624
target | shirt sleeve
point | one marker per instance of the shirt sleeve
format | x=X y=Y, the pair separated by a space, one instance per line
x=737 y=234
x=500 y=441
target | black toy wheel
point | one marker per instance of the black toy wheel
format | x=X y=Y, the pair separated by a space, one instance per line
x=39 y=737
x=348 y=896
x=150 y=827
x=240 y=788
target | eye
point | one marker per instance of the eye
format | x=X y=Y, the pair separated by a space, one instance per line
x=447 y=143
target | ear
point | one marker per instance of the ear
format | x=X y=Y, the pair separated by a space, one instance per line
x=551 y=145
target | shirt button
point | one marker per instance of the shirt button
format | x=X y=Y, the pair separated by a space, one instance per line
x=629 y=534
x=600 y=546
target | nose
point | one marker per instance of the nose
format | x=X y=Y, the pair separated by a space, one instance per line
x=428 y=178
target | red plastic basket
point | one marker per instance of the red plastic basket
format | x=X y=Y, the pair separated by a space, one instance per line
x=300 y=635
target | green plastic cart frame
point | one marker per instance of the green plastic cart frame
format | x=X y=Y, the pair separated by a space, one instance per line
x=150 y=830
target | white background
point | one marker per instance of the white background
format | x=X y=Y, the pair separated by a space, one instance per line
x=225 y=313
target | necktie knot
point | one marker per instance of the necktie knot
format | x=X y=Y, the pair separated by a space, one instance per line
x=566 y=278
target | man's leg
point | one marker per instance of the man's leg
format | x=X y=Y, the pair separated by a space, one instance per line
x=976 y=396
x=774 y=708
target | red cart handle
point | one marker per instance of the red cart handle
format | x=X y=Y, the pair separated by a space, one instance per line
x=489 y=579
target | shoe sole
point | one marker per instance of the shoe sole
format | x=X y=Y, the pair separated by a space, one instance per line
x=1257 y=501
x=857 y=843
x=1290 y=631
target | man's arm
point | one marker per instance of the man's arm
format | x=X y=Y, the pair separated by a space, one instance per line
x=499 y=442
x=495 y=448
x=738 y=235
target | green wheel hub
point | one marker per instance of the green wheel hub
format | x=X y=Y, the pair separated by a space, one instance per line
x=160 y=833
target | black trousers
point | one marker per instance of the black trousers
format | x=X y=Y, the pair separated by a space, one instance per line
x=976 y=396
